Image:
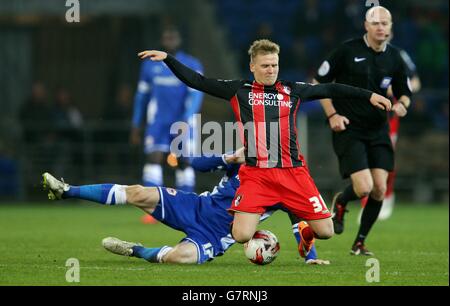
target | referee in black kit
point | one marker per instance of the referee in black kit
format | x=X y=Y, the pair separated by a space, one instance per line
x=360 y=131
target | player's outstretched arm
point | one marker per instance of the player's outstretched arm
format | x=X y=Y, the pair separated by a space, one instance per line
x=154 y=55
x=215 y=87
x=336 y=90
x=336 y=121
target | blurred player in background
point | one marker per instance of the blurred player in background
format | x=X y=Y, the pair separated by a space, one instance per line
x=394 y=127
x=204 y=218
x=162 y=100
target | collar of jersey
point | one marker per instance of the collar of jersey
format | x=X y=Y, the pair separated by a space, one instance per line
x=368 y=46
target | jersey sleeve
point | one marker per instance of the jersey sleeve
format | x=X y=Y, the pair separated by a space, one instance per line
x=207 y=164
x=400 y=82
x=194 y=97
x=411 y=68
x=142 y=95
x=224 y=89
x=331 y=66
x=308 y=92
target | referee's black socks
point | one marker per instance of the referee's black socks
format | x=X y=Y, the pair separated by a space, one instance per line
x=368 y=218
x=347 y=195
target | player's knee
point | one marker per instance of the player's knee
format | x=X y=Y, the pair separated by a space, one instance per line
x=363 y=189
x=378 y=192
x=241 y=236
x=181 y=256
x=325 y=231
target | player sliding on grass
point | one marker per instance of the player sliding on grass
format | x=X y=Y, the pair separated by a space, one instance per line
x=274 y=171
x=203 y=218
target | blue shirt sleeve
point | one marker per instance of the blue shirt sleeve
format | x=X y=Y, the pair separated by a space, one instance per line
x=206 y=164
x=142 y=96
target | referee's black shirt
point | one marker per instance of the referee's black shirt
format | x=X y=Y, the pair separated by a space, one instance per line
x=356 y=63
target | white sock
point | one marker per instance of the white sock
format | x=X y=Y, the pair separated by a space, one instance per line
x=119 y=193
x=153 y=175
x=185 y=177
x=164 y=250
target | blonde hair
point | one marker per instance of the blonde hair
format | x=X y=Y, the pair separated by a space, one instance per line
x=263 y=46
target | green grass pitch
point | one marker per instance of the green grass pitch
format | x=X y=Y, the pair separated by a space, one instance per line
x=36 y=240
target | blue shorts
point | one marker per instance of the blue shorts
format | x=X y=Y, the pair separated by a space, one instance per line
x=205 y=224
x=158 y=138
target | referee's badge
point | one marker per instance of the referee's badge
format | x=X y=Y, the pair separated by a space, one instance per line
x=386 y=82
x=324 y=68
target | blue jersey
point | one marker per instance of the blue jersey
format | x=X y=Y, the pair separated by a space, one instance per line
x=160 y=95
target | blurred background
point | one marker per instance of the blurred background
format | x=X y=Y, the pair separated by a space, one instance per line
x=67 y=89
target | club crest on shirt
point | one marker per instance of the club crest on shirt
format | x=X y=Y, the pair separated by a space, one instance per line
x=237 y=200
x=385 y=82
x=171 y=191
x=287 y=90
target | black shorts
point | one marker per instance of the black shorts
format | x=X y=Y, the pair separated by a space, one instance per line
x=358 y=150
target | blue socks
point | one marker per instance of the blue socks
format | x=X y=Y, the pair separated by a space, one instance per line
x=149 y=254
x=154 y=255
x=108 y=194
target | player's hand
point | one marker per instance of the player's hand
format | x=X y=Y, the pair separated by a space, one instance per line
x=153 y=55
x=317 y=261
x=380 y=102
x=399 y=109
x=338 y=123
x=236 y=158
x=135 y=137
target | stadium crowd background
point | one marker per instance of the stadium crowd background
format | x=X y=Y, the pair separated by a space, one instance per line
x=66 y=89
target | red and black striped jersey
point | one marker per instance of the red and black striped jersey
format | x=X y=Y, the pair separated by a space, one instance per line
x=266 y=114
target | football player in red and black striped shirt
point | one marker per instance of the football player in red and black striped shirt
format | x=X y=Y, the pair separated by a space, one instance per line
x=266 y=108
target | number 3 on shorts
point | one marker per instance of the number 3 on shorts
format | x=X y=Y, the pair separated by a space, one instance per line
x=318 y=203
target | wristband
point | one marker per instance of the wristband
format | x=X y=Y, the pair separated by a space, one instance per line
x=329 y=117
x=403 y=103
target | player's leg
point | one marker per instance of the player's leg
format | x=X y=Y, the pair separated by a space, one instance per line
x=183 y=253
x=145 y=198
x=353 y=163
x=306 y=203
x=184 y=173
x=389 y=197
x=152 y=175
x=381 y=160
x=133 y=249
x=311 y=258
x=362 y=184
x=107 y=194
x=244 y=226
x=371 y=211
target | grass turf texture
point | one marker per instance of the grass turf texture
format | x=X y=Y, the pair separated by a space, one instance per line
x=36 y=240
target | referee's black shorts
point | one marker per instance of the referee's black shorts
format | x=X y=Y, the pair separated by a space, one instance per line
x=366 y=149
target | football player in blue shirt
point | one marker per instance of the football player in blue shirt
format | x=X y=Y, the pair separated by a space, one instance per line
x=203 y=218
x=161 y=99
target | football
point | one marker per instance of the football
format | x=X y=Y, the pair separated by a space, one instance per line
x=263 y=248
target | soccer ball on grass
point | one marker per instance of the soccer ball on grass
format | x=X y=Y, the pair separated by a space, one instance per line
x=263 y=248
